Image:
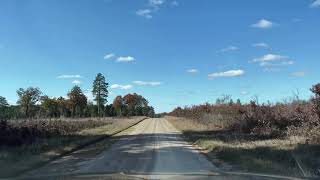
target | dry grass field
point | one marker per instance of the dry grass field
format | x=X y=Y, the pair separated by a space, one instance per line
x=234 y=151
x=41 y=144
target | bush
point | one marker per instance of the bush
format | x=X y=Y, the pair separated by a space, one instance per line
x=296 y=118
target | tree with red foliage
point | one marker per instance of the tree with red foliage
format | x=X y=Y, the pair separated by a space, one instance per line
x=77 y=101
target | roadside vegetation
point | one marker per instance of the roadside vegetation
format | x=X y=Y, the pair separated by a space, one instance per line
x=40 y=127
x=28 y=144
x=281 y=138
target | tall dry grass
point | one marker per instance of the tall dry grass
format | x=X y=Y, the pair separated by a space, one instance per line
x=297 y=118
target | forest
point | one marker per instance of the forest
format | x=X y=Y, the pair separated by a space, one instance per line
x=33 y=103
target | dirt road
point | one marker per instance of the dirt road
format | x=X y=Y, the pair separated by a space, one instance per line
x=154 y=149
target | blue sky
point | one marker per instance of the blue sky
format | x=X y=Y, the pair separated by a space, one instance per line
x=173 y=52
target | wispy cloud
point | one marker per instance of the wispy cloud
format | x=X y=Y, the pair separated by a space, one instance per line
x=147 y=13
x=147 y=83
x=283 y=63
x=76 y=82
x=273 y=60
x=261 y=45
x=229 y=48
x=299 y=74
x=244 y=93
x=270 y=57
x=66 y=76
x=154 y=6
x=193 y=71
x=315 y=4
x=125 y=59
x=112 y=56
x=263 y=24
x=156 y=3
x=121 y=87
x=230 y=73
x=174 y=3
x=109 y=56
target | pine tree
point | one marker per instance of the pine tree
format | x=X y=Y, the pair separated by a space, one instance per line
x=100 y=91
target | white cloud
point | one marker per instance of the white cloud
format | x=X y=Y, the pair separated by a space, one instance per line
x=299 y=74
x=122 y=87
x=230 y=73
x=261 y=45
x=125 y=59
x=273 y=60
x=65 y=76
x=109 y=56
x=156 y=3
x=193 y=71
x=10 y=102
x=89 y=96
x=147 y=83
x=153 y=6
x=283 y=63
x=271 y=69
x=263 y=24
x=145 y=13
x=229 y=48
x=270 y=57
x=244 y=92
x=315 y=4
x=76 y=82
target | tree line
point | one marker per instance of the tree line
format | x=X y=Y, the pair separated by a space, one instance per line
x=32 y=103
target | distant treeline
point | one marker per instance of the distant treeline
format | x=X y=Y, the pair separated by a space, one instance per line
x=32 y=103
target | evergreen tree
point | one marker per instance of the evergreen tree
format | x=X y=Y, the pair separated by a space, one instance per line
x=100 y=91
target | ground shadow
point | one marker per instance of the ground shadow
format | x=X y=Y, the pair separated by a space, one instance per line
x=135 y=150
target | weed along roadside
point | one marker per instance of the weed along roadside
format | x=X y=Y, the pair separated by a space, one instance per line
x=246 y=153
x=30 y=157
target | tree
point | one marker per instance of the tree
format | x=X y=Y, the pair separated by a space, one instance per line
x=238 y=102
x=100 y=91
x=3 y=107
x=63 y=107
x=224 y=99
x=135 y=103
x=28 y=98
x=118 y=105
x=3 y=102
x=77 y=101
x=110 y=110
x=50 y=106
x=316 y=99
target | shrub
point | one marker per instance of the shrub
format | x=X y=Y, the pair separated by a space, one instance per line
x=295 y=118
